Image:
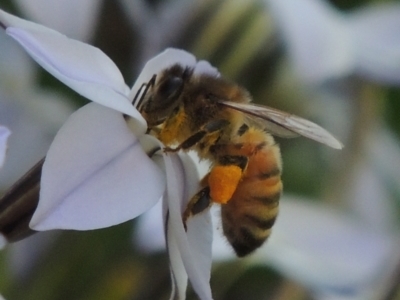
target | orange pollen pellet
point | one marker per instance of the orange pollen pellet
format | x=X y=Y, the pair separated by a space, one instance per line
x=223 y=181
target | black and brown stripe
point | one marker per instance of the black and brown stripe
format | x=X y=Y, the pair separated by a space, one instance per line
x=250 y=214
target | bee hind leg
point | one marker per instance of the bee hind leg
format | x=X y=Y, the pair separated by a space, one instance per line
x=199 y=203
x=224 y=178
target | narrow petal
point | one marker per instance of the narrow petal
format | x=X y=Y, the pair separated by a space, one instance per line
x=96 y=174
x=375 y=31
x=324 y=249
x=316 y=37
x=160 y=62
x=195 y=245
x=4 y=134
x=82 y=67
x=179 y=276
x=150 y=223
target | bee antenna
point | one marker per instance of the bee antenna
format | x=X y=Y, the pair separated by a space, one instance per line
x=138 y=93
x=147 y=86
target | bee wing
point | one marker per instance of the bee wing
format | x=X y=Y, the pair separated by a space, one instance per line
x=284 y=124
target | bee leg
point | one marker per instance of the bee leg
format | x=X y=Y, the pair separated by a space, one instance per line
x=199 y=203
x=191 y=141
x=222 y=182
x=210 y=128
x=225 y=177
x=237 y=160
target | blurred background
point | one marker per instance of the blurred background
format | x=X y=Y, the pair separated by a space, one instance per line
x=334 y=62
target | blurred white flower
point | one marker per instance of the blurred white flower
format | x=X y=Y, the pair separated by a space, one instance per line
x=97 y=172
x=74 y=18
x=159 y=27
x=325 y=250
x=4 y=134
x=326 y=44
x=383 y=153
x=33 y=115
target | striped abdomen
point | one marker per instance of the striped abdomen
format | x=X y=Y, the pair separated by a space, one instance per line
x=249 y=215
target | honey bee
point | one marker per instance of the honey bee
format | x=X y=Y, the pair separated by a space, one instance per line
x=214 y=117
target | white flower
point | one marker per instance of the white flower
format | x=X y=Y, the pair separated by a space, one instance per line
x=97 y=172
x=326 y=44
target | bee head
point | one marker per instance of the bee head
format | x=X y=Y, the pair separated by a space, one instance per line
x=165 y=94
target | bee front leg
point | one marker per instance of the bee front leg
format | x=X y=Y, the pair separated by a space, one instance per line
x=199 y=203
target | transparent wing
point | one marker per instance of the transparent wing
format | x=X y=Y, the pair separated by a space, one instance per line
x=284 y=124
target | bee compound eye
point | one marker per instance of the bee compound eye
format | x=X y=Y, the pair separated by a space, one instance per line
x=170 y=86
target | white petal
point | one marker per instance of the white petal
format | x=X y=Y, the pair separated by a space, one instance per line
x=96 y=174
x=204 y=67
x=82 y=67
x=179 y=276
x=195 y=246
x=160 y=62
x=322 y=248
x=4 y=134
x=150 y=223
x=375 y=31
x=58 y=15
x=317 y=39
